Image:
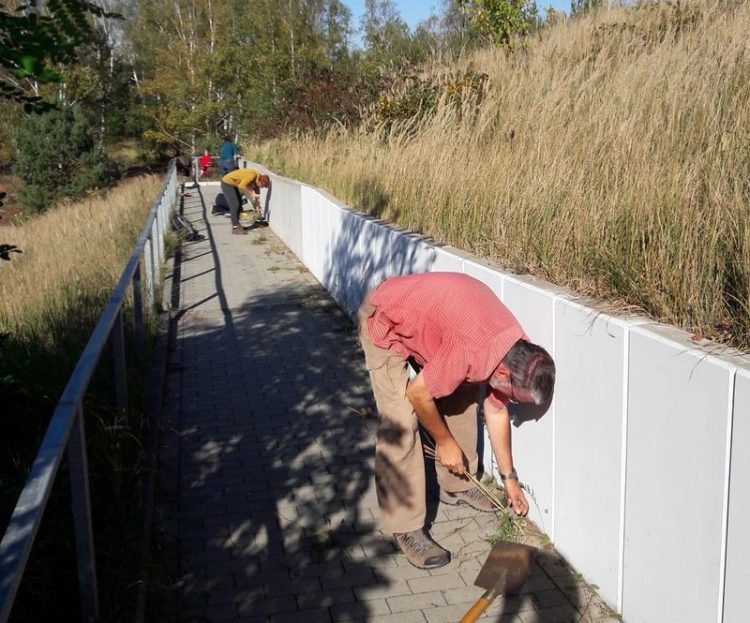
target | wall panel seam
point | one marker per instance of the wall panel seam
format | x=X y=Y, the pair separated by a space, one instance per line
x=623 y=465
x=727 y=481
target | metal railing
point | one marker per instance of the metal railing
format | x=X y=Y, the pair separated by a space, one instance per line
x=66 y=428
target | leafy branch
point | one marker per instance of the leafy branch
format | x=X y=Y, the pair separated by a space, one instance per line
x=34 y=37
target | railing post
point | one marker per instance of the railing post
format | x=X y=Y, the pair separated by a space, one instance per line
x=155 y=255
x=138 y=328
x=148 y=261
x=157 y=239
x=81 y=503
x=119 y=365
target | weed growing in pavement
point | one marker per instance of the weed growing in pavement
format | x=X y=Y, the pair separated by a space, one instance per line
x=510 y=526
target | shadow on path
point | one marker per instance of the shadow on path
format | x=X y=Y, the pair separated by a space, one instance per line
x=274 y=512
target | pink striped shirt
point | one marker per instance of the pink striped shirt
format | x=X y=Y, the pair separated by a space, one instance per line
x=452 y=324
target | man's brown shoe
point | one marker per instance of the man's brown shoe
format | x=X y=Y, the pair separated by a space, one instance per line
x=421 y=551
x=239 y=230
x=473 y=497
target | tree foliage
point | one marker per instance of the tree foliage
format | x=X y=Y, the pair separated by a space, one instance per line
x=579 y=7
x=35 y=37
x=181 y=73
x=502 y=20
x=385 y=34
x=207 y=67
x=57 y=157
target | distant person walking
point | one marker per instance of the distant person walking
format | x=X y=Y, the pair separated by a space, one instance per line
x=205 y=162
x=247 y=181
x=228 y=154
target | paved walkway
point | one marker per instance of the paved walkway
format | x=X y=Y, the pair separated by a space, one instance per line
x=268 y=506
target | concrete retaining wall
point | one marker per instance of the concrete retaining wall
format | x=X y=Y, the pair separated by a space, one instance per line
x=638 y=469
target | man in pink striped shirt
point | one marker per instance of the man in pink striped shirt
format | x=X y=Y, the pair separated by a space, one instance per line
x=458 y=335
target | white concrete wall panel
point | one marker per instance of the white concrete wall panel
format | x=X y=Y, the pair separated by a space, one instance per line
x=474 y=268
x=285 y=212
x=348 y=259
x=491 y=278
x=389 y=251
x=533 y=448
x=674 y=498
x=590 y=356
x=738 y=536
x=309 y=213
x=342 y=267
x=447 y=260
x=373 y=248
x=334 y=255
x=314 y=231
x=410 y=253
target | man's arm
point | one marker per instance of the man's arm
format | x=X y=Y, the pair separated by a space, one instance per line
x=253 y=195
x=498 y=427
x=447 y=449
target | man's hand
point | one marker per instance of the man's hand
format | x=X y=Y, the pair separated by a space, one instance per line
x=516 y=498
x=450 y=456
x=447 y=451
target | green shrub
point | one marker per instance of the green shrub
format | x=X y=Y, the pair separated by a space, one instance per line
x=57 y=158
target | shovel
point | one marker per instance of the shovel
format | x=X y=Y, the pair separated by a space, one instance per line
x=503 y=573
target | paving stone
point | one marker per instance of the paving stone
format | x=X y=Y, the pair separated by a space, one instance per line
x=219 y=613
x=415 y=616
x=394 y=573
x=257 y=606
x=308 y=616
x=462 y=594
x=550 y=598
x=359 y=611
x=422 y=601
x=440 y=582
x=325 y=598
x=451 y=614
x=295 y=587
x=377 y=591
x=362 y=576
x=559 y=614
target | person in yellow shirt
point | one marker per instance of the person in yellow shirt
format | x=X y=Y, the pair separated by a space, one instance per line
x=247 y=181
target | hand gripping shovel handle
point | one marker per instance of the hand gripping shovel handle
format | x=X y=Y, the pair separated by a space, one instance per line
x=479 y=607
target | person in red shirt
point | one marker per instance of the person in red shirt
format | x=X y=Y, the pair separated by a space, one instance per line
x=459 y=336
x=205 y=162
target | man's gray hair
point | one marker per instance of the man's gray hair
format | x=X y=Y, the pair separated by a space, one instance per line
x=532 y=369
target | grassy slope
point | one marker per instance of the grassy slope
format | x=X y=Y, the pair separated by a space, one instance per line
x=611 y=156
x=51 y=296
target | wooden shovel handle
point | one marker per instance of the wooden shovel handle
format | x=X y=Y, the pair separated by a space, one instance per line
x=477 y=609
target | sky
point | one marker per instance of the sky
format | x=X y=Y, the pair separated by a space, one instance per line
x=415 y=11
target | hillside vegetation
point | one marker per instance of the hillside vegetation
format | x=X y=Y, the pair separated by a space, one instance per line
x=51 y=296
x=611 y=155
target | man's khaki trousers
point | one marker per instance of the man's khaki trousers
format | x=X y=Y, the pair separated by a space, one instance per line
x=399 y=462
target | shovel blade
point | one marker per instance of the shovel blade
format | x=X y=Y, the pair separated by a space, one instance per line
x=506 y=568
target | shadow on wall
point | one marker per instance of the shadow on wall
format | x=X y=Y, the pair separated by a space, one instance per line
x=365 y=252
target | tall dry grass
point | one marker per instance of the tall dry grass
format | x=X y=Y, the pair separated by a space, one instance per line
x=72 y=257
x=51 y=297
x=611 y=156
